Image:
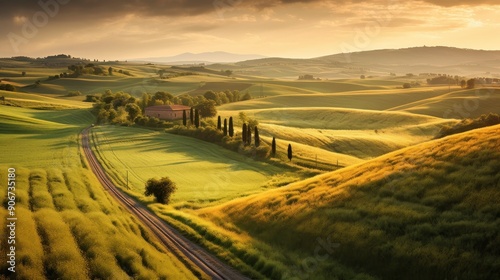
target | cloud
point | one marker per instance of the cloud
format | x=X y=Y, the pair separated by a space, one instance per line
x=451 y=3
x=91 y=9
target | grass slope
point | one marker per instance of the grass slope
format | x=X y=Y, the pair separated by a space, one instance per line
x=220 y=174
x=426 y=212
x=37 y=101
x=361 y=134
x=68 y=227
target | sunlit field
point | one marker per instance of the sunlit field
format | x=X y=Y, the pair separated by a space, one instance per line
x=203 y=172
x=68 y=227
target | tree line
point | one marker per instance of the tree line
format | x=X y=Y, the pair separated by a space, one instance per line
x=125 y=109
x=223 y=133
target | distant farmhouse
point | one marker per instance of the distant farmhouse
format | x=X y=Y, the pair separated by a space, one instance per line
x=168 y=112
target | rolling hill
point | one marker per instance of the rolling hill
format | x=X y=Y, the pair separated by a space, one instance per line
x=380 y=62
x=436 y=56
x=426 y=212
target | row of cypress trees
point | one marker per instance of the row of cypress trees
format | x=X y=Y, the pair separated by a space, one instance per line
x=194 y=117
x=228 y=129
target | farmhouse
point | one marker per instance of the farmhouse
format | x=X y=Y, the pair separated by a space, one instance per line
x=167 y=112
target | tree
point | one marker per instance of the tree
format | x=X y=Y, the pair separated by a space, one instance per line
x=222 y=98
x=145 y=101
x=23 y=73
x=244 y=133
x=210 y=95
x=231 y=128
x=133 y=111
x=196 y=118
x=290 y=153
x=219 y=124
x=249 y=135
x=273 y=147
x=110 y=70
x=463 y=84
x=207 y=109
x=229 y=95
x=162 y=189
x=163 y=96
x=191 y=116
x=406 y=85
x=257 y=138
x=471 y=83
x=184 y=118
x=362 y=77
x=225 y=127
x=246 y=96
x=243 y=117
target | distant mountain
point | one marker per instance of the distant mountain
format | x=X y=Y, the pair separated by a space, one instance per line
x=436 y=56
x=447 y=60
x=205 y=57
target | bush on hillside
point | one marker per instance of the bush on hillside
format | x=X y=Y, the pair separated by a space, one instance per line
x=73 y=93
x=7 y=87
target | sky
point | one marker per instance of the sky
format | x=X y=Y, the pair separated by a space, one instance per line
x=128 y=29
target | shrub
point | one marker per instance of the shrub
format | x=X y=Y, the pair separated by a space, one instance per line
x=7 y=87
x=75 y=93
x=162 y=189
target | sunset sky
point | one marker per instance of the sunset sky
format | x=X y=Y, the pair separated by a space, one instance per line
x=122 y=29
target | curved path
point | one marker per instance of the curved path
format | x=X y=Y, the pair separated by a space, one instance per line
x=168 y=235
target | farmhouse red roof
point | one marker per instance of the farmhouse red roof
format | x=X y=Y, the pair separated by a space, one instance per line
x=169 y=108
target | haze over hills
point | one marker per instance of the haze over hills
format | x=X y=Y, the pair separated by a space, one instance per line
x=449 y=60
x=205 y=57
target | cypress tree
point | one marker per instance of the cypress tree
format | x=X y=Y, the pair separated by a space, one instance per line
x=225 y=127
x=184 y=118
x=196 y=118
x=219 y=125
x=290 y=154
x=273 y=147
x=191 y=116
x=231 y=128
x=257 y=138
x=244 y=133
x=249 y=135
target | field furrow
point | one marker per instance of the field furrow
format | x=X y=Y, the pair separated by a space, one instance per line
x=63 y=259
x=39 y=193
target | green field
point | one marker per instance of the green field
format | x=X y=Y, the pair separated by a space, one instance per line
x=203 y=172
x=68 y=227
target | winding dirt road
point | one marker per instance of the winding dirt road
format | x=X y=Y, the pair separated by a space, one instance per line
x=170 y=237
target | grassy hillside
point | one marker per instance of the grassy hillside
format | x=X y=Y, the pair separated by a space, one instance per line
x=459 y=104
x=366 y=99
x=220 y=174
x=426 y=212
x=68 y=227
x=37 y=101
x=357 y=133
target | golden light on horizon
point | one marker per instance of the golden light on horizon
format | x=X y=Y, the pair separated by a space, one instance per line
x=301 y=29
